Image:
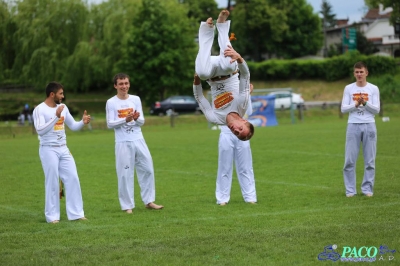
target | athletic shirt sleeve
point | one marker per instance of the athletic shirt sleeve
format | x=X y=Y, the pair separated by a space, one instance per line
x=42 y=127
x=70 y=121
x=139 y=108
x=374 y=105
x=112 y=121
x=204 y=104
x=244 y=87
x=348 y=105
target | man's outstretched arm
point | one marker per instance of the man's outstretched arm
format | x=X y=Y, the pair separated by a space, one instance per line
x=244 y=83
x=203 y=102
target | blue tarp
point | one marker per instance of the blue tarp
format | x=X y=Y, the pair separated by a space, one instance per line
x=263 y=111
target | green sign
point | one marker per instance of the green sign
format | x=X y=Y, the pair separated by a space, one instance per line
x=349 y=39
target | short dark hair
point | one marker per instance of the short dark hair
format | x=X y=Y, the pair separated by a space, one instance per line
x=120 y=76
x=251 y=133
x=360 y=64
x=53 y=87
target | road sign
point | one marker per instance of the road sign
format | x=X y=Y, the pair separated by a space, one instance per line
x=349 y=39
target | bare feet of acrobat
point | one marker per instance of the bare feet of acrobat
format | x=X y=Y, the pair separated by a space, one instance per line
x=223 y=16
x=210 y=22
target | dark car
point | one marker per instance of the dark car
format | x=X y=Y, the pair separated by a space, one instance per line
x=177 y=104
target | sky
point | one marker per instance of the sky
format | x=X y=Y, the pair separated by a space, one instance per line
x=343 y=9
x=352 y=9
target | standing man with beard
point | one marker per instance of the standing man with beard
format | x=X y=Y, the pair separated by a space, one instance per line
x=49 y=119
x=125 y=116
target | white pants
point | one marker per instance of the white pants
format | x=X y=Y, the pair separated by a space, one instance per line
x=57 y=162
x=231 y=149
x=130 y=155
x=208 y=66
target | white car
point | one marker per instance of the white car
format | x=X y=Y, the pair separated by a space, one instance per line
x=282 y=99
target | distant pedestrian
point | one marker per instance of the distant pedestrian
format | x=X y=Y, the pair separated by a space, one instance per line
x=361 y=101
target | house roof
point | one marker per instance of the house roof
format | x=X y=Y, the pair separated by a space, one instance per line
x=342 y=22
x=374 y=14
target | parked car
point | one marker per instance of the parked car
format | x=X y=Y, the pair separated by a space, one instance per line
x=282 y=99
x=177 y=104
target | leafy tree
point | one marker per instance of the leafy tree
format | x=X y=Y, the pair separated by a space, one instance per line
x=328 y=18
x=267 y=28
x=259 y=26
x=91 y=66
x=200 y=10
x=304 y=35
x=363 y=45
x=7 y=50
x=47 y=34
x=395 y=4
x=160 y=51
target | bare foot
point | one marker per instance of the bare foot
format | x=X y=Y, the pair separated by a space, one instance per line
x=210 y=22
x=154 y=206
x=223 y=16
x=128 y=211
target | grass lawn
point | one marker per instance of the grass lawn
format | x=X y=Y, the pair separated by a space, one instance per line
x=301 y=198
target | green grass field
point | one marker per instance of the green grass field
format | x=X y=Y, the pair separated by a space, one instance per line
x=301 y=201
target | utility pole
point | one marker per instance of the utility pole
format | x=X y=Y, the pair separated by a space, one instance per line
x=325 y=42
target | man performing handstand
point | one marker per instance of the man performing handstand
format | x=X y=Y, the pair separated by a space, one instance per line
x=230 y=95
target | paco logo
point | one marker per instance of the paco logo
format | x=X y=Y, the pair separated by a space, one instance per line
x=355 y=254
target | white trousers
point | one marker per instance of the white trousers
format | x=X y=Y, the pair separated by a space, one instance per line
x=130 y=155
x=231 y=149
x=57 y=162
x=208 y=66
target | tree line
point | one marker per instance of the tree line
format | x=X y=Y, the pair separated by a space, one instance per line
x=83 y=45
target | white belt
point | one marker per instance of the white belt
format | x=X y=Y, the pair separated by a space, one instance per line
x=55 y=145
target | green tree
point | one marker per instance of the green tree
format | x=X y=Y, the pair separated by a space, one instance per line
x=160 y=51
x=268 y=28
x=304 y=35
x=328 y=18
x=259 y=27
x=47 y=33
x=363 y=45
x=7 y=44
x=91 y=66
x=200 y=10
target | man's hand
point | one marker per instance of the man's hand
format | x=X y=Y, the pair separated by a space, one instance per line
x=251 y=88
x=132 y=116
x=233 y=54
x=196 y=80
x=86 y=118
x=59 y=110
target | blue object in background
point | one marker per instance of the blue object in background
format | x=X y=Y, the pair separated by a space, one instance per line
x=263 y=111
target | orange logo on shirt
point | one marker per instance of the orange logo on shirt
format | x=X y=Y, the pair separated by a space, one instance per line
x=124 y=112
x=223 y=99
x=357 y=96
x=59 y=124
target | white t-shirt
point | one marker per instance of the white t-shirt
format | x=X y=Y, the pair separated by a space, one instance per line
x=361 y=114
x=50 y=128
x=116 y=112
x=230 y=95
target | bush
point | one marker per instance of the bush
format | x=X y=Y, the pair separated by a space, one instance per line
x=329 y=69
x=389 y=88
